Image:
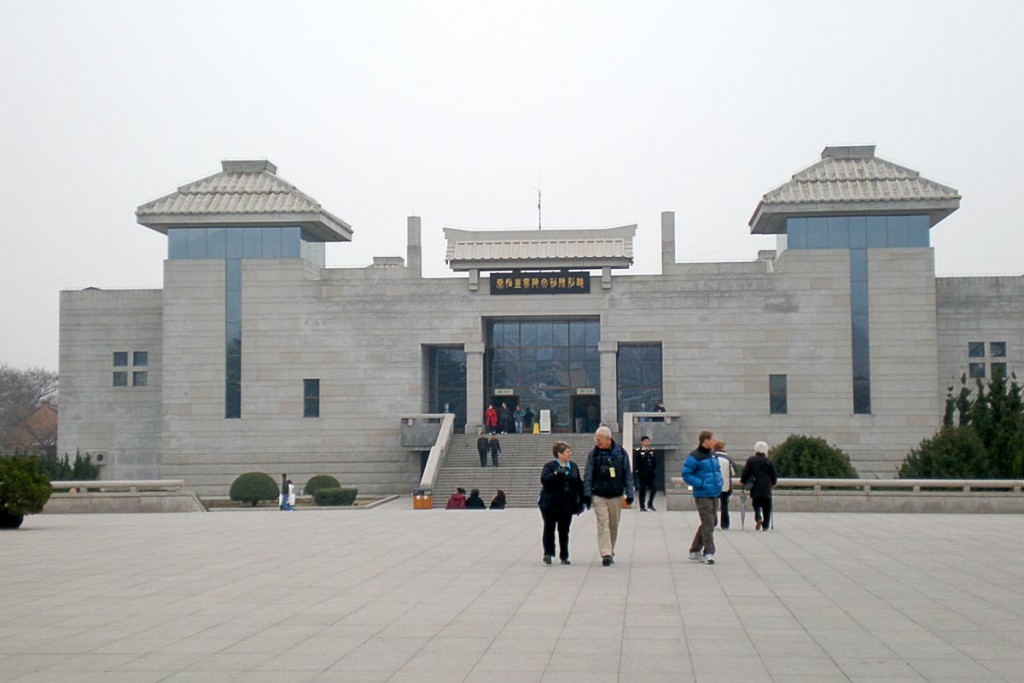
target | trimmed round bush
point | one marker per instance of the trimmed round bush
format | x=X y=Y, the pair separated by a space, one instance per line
x=811 y=457
x=23 y=491
x=252 y=487
x=335 y=496
x=320 y=481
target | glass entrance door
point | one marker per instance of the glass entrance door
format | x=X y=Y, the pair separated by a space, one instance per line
x=543 y=362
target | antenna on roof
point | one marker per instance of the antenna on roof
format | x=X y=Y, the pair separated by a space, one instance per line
x=538 y=205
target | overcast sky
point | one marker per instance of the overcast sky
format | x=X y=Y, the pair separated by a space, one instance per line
x=453 y=110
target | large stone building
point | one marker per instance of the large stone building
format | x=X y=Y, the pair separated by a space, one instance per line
x=256 y=356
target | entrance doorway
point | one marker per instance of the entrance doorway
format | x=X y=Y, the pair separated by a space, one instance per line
x=510 y=401
x=586 y=414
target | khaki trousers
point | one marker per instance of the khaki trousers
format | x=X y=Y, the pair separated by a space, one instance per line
x=607 y=511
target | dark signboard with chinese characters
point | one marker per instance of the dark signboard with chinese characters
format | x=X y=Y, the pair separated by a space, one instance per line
x=540 y=283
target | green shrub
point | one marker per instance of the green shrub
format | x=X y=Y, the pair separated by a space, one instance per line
x=252 y=487
x=320 y=481
x=23 y=491
x=336 y=496
x=953 y=453
x=60 y=468
x=811 y=457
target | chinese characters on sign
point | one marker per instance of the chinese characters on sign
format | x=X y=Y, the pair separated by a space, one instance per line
x=540 y=283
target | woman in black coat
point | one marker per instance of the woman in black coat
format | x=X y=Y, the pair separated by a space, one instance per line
x=761 y=475
x=561 y=496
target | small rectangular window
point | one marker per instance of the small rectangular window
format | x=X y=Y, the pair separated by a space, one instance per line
x=976 y=370
x=120 y=359
x=140 y=379
x=140 y=358
x=997 y=349
x=120 y=379
x=311 y=398
x=998 y=370
x=976 y=349
x=777 y=395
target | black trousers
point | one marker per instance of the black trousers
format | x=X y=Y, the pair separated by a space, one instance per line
x=560 y=519
x=645 y=488
x=724 y=498
x=483 y=458
x=762 y=510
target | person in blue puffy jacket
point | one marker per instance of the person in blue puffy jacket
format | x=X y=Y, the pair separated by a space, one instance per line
x=704 y=475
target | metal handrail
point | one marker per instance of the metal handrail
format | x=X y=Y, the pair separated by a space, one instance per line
x=907 y=485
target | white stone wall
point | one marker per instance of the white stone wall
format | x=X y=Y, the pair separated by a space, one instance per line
x=96 y=417
x=982 y=309
x=724 y=328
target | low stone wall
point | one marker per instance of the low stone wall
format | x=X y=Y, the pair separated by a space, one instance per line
x=86 y=497
x=858 y=495
x=149 y=501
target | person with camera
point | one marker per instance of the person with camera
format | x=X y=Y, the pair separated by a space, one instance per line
x=607 y=477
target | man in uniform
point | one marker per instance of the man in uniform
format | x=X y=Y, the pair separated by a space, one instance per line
x=646 y=465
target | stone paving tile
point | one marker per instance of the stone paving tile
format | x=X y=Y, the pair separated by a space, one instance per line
x=396 y=595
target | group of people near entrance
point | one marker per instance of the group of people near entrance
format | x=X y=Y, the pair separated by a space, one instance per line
x=606 y=481
x=506 y=421
x=459 y=501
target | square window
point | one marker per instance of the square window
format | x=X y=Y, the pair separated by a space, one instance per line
x=998 y=370
x=140 y=379
x=997 y=349
x=140 y=358
x=975 y=349
x=120 y=359
x=976 y=370
x=120 y=379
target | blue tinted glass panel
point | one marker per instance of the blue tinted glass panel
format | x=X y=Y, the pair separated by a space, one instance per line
x=976 y=349
x=271 y=242
x=998 y=370
x=197 y=243
x=858 y=232
x=919 y=233
x=560 y=333
x=796 y=231
x=290 y=243
x=976 y=370
x=899 y=231
x=215 y=243
x=140 y=358
x=120 y=379
x=862 y=397
x=577 y=332
x=528 y=334
x=858 y=265
x=233 y=274
x=997 y=349
x=251 y=242
x=140 y=379
x=593 y=333
x=233 y=243
x=859 y=297
x=878 y=237
x=838 y=233
x=543 y=334
x=121 y=358
x=177 y=244
x=817 y=233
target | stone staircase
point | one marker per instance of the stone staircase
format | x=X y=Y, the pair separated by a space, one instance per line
x=518 y=474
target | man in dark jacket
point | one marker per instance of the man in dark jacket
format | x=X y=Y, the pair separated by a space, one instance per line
x=606 y=478
x=761 y=472
x=475 y=502
x=482 y=448
x=495 y=447
x=646 y=465
x=702 y=472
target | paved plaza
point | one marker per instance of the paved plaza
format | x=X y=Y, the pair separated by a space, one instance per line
x=392 y=594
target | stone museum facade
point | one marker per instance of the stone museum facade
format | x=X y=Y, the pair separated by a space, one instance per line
x=255 y=356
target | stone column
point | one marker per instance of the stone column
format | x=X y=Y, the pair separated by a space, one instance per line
x=609 y=386
x=414 y=246
x=668 y=241
x=474 y=386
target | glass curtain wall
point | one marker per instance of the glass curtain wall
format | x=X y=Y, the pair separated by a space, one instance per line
x=638 y=370
x=447 y=367
x=541 y=364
